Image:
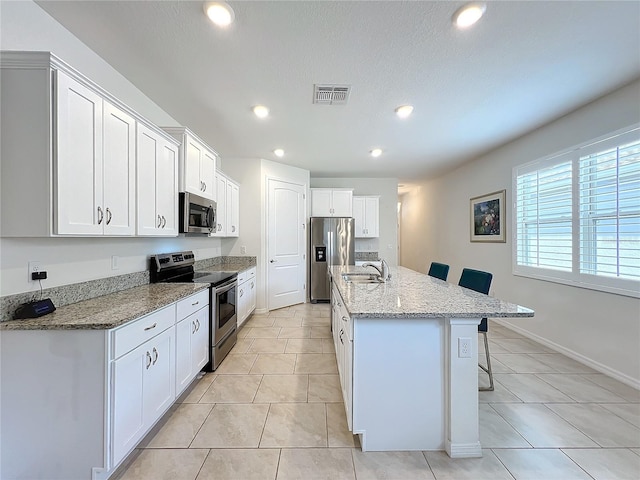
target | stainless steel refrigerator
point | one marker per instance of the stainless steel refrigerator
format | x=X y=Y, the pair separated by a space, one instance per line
x=332 y=243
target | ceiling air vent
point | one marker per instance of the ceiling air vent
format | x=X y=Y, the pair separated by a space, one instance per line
x=331 y=94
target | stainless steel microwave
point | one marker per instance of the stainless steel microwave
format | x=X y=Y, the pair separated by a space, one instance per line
x=197 y=214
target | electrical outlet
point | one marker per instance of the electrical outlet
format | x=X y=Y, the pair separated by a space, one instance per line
x=34 y=267
x=243 y=250
x=115 y=260
x=464 y=347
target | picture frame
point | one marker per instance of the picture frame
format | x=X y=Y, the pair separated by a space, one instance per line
x=488 y=219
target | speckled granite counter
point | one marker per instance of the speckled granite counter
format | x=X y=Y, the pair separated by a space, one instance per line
x=410 y=294
x=109 y=311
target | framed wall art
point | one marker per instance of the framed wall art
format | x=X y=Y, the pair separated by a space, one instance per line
x=488 y=219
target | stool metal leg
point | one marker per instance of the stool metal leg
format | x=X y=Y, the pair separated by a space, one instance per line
x=488 y=367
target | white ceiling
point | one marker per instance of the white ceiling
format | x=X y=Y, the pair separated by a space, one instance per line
x=524 y=64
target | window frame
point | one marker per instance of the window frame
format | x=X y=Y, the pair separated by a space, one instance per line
x=620 y=286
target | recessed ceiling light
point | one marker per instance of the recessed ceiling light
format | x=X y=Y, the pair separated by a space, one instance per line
x=469 y=14
x=279 y=152
x=376 y=152
x=404 y=111
x=261 y=111
x=219 y=13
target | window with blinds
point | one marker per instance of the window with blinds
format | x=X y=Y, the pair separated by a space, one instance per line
x=577 y=216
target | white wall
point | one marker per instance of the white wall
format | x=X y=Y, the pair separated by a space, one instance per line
x=25 y=26
x=601 y=329
x=387 y=243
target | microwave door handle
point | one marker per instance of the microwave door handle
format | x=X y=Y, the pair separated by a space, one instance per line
x=210 y=218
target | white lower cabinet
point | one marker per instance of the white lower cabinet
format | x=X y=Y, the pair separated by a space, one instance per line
x=143 y=389
x=246 y=294
x=89 y=396
x=192 y=339
x=343 y=338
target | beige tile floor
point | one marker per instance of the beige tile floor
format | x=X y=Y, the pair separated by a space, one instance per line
x=273 y=411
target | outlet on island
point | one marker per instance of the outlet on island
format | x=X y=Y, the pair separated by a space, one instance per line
x=243 y=250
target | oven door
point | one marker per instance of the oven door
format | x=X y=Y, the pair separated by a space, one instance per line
x=197 y=214
x=225 y=313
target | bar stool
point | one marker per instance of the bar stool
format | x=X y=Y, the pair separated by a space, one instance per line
x=480 y=282
x=439 y=270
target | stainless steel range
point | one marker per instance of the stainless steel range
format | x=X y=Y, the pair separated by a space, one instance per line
x=178 y=268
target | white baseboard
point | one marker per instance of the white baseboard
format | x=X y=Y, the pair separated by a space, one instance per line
x=261 y=311
x=464 y=450
x=578 y=357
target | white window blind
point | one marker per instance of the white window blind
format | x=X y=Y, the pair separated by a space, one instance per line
x=544 y=217
x=577 y=216
x=610 y=212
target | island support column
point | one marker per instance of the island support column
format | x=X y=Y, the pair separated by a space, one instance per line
x=462 y=429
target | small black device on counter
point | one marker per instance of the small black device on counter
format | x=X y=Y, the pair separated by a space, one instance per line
x=35 y=309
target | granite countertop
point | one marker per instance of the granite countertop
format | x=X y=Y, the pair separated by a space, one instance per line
x=410 y=294
x=109 y=311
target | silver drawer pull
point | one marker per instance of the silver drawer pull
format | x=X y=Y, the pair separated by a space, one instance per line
x=194 y=304
x=152 y=326
x=344 y=319
x=155 y=352
x=148 y=360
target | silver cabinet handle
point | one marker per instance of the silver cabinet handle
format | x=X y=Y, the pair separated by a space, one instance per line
x=272 y=261
x=193 y=328
x=159 y=220
x=155 y=352
x=344 y=319
x=164 y=221
x=251 y=284
x=219 y=227
x=148 y=360
x=152 y=326
x=204 y=189
x=108 y=216
x=100 y=215
x=197 y=324
x=233 y=228
x=196 y=303
x=341 y=333
x=241 y=292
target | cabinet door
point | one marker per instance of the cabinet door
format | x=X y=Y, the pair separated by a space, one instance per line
x=342 y=203
x=252 y=295
x=147 y=150
x=167 y=188
x=208 y=174
x=127 y=401
x=359 y=216
x=78 y=159
x=200 y=340
x=193 y=152
x=119 y=162
x=321 y=202
x=159 y=381
x=243 y=302
x=233 y=209
x=184 y=330
x=221 y=205
x=372 y=216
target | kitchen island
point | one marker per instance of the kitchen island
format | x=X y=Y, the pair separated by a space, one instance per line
x=408 y=377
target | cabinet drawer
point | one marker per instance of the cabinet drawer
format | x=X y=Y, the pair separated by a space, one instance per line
x=246 y=275
x=192 y=304
x=135 y=333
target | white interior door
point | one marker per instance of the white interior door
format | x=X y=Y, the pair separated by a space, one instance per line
x=286 y=267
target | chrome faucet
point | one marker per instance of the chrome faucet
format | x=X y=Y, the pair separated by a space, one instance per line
x=383 y=272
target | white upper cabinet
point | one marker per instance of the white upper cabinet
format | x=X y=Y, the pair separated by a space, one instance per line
x=328 y=202
x=227 y=207
x=72 y=146
x=366 y=215
x=197 y=163
x=157 y=184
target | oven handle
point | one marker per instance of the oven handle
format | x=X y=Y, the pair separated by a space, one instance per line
x=225 y=287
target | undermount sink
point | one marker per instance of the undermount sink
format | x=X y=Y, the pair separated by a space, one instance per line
x=361 y=278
